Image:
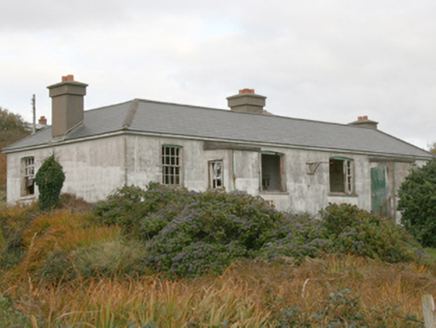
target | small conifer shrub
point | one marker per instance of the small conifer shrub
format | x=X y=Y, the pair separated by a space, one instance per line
x=49 y=179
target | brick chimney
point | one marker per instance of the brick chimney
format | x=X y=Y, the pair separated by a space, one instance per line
x=42 y=120
x=247 y=102
x=67 y=105
x=363 y=121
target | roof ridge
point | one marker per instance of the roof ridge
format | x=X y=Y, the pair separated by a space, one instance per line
x=270 y=115
x=131 y=113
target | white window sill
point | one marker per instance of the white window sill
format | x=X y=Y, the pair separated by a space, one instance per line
x=273 y=192
x=341 y=194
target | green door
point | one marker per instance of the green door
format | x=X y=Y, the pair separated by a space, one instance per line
x=379 y=190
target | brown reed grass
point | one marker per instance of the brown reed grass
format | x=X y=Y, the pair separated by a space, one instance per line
x=245 y=295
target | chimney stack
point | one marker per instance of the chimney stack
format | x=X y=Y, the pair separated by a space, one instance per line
x=247 y=102
x=363 y=121
x=42 y=120
x=67 y=105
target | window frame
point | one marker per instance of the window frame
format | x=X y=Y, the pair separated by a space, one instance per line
x=282 y=182
x=212 y=177
x=27 y=174
x=348 y=172
x=172 y=173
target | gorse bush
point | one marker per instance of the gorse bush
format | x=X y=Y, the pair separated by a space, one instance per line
x=418 y=203
x=355 y=231
x=49 y=179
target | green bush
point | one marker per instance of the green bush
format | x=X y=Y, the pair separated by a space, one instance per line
x=191 y=232
x=356 y=231
x=130 y=204
x=49 y=179
x=418 y=203
x=297 y=238
x=212 y=230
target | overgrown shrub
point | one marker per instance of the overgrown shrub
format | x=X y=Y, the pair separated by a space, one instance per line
x=130 y=204
x=14 y=221
x=191 y=232
x=418 y=203
x=49 y=179
x=356 y=231
x=297 y=238
x=212 y=230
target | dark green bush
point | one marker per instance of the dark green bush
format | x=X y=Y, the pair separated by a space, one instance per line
x=130 y=204
x=190 y=232
x=212 y=230
x=418 y=203
x=356 y=231
x=49 y=179
x=297 y=238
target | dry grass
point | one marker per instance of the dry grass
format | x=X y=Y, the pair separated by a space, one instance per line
x=245 y=294
x=60 y=230
x=248 y=294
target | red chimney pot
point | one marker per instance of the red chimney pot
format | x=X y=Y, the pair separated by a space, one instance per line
x=69 y=77
x=42 y=120
x=246 y=91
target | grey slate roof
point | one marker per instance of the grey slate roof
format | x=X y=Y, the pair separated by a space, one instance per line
x=174 y=119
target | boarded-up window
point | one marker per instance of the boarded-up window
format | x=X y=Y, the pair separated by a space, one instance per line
x=341 y=175
x=171 y=164
x=28 y=176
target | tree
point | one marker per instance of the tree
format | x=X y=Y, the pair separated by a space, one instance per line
x=49 y=179
x=418 y=203
x=12 y=129
x=432 y=148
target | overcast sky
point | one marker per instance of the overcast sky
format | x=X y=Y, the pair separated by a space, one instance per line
x=327 y=60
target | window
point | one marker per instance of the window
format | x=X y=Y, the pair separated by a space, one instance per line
x=171 y=164
x=271 y=171
x=28 y=176
x=341 y=175
x=216 y=174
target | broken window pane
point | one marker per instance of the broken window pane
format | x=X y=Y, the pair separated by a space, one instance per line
x=341 y=175
x=28 y=176
x=216 y=174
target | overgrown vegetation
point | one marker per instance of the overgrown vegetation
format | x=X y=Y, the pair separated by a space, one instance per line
x=49 y=179
x=418 y=203
x=134 y=261
x=189 y=232
x=12 y=129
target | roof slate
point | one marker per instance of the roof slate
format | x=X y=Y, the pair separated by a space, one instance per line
x=225 y=125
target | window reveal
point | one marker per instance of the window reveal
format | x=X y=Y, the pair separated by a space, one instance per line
x=271 y=168
x=341 y=175
x=216 y=174
x=28 y=176
x=171 y=164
